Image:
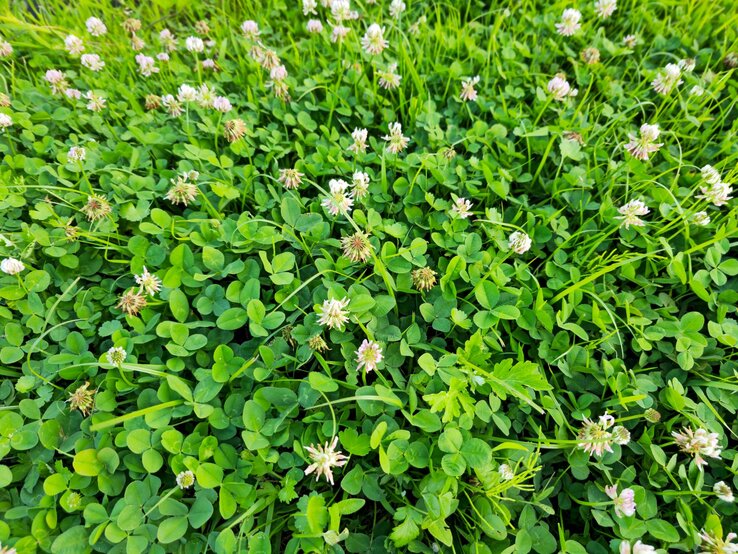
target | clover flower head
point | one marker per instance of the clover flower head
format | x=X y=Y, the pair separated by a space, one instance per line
x=560 y=89
x=373 y=41
x=116 y=355
x=667 y=79
x=234 y=130
x=519 y=242
x=339 y=32
x=5 y=121
x=506 y=472
x=148 y=282
x=360 y=183
x=461 y=208
x=250 y=29
x=630 y=213
x=368 y=355
x=185 y=479
x=359 y=144
x=605 y=8
x=194 y=44
x=132 y=302
x=423 y=278
x=314 y=26
x=625 y=505
x=699 y=443
x=290 y=178
x=6 y=49
x=146 y=65
x=11 y=266
x=95 y=27
x=594 y=438
x=643 y=146
x=97 y=207
x=468 y=92
x=338 y=200
x=309 y=7
x=637 y=548
x=74 y=45
x=723 y=491
x=570 y=22
x=77 y=154
x=82 y=399
x=95 y=102
x=222 y=104
x=324 y=459
x=318 y=344
x=357 y=247
x=388 y=78
x=396 y=141
x=334 y=314
x=396 y=8
x=712 y=544
x=93 y=62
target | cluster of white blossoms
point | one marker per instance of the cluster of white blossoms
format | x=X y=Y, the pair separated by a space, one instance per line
x=325 y=458
x=11 y=266
x=723 y=491
x=605 y=8
x=74 y=45
x=290 y=178
x=5 y=121
x=560 y=89
x=625 y=505
x=360 y=137
x=712 y=544
x=595 y=438
x=468 y=92
x=637 y=548
x=630 y=213
x=183 y=189
x=570 y=22
x=95 y=27
x=333 y=313
x=461 y=208
x=667 y=79
x=185 y=479
x=76 y=154
x=373 y=41
x=717 y=191
x=396 y=141
x=700 y=444
x=93 y=62
x=339 y=200
x=148 y=282
x=368 y=355
x=519 y=242
x=642 y=146
x=116 y=356
x=389 y=78
x=146 y=65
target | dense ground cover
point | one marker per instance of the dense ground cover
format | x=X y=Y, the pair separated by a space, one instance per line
x=473 y=268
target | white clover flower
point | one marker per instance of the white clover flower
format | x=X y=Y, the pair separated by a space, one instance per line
x=5 y=121
x=624 y=502
x=137 y=44
x=54 y=76
x=116 y=356
x=334 y=314
x=194 y=44
x=396 y=8
x=314 y=26
x=341 y=10
x=519 y=242
x=148 y=282
x=222 y=104
x=468 y=92
x=74 y=45
x=687 y=65
x=594 y=438
x=325 y=458
x=73 y=93
x=95 y=102
x=667 y=79
x=629 y=213
x=389 y=78
x=77 y=154
x=11 y=266
x=368 y=355
x=461 y=208
x=278 y=73
x=167 y=39
x=643 y=146
x=6 y=49
x=186 y=93
x=396 y=141
x=95 y=27
x=506 y=472
x=373 y=41
x=630 y=41
x=309 y=7
x=360 y=183
x=359 y=145
x=717 y=192
x=338 y=201
x=605 y=8
x=93 y=62
x=700 y=444
x=205 y=95
x=339 y=32
x=723 y=491
x=250 y=30
x=569 y=22
x=185 y=479
x=711 y=544
x=701 y=219
x=290 y=178
x=560 y=89
x=696 y=91
x=638 y=548
x=147 y=65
